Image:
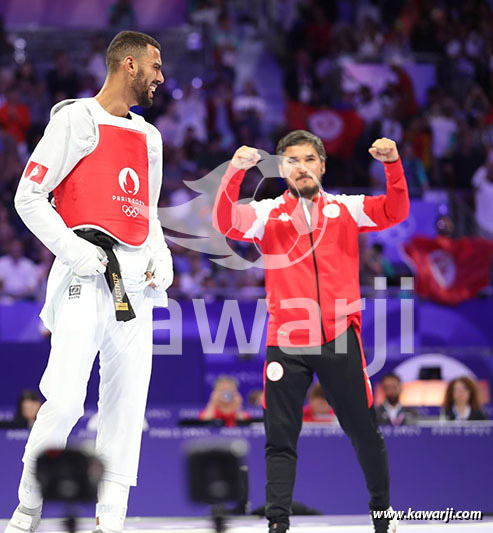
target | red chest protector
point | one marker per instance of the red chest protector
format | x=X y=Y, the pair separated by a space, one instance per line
x=109 y=188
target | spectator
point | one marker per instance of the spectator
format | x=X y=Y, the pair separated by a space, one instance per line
x=28 y=406
x=256 y=398
x=444 y=129
x=300 y=81
x=203 y=12
x=226 y=46
x=96 y=65
x=171 y=127
x=212 y=155
x=191 y=282
x=6 y=229
x=193 y=112
x=318 y=32
x=15 y=117
x=477 y=104
x=248 y=108
x=445 y=227
x=375 y=264
x=416 y=177
x=423 y=36
x=6 y=47
x=462 y=400
x=407 y=106
x=225 y=403
x=25 y=77
x=62 y=80
x=418 y=133
x=220 y=116
x=18 y=274
x=483 y=185
x=318 y=409
x=390 y=412
x=468 y=157
x=370 y=39
x=249 y=101
x=369 y=106
x=122 y=15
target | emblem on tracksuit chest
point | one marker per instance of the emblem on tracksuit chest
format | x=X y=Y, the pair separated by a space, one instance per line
x=331 y=211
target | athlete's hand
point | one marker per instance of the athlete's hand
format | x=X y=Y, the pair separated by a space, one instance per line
x=160 y=273
x=384 y=150
x=90 y=260
x=245 y=157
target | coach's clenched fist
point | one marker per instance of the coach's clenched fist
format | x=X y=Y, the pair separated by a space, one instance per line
x=245 y=157
x=384 y=150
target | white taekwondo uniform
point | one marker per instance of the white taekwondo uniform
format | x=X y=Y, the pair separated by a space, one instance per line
x=105 y=172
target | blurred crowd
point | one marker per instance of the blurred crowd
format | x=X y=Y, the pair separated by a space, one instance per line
x=461 y=401
x=445 y=142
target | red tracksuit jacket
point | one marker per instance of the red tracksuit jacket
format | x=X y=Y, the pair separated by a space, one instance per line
x=310 y=274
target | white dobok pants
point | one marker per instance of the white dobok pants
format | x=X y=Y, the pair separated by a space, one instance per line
x=81 y=315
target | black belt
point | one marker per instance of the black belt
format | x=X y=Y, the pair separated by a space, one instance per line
x=123 y=307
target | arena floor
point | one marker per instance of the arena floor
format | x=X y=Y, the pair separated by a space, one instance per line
x=319 y=524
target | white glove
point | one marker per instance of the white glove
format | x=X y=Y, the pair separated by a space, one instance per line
x=83 y=257
x=162 y=273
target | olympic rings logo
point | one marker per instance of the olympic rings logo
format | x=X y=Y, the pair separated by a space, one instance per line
x=130 y=211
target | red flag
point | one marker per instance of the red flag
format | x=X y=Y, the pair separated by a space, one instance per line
x=450 y=271
x=338 y=129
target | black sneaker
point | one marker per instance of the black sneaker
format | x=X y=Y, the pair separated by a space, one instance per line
x=279 y=528
x=385 y=524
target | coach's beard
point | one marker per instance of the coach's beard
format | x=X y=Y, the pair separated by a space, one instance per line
x=308 y=191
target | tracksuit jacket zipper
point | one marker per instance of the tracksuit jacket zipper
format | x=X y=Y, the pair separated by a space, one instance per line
x=318 y=289
x=309 y=223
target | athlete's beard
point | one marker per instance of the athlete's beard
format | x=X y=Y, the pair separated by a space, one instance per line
x=141 y=91
x=308 y=191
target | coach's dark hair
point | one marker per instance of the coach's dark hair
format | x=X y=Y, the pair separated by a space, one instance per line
x=301 y=137
x=390 y=375
x=126 y=43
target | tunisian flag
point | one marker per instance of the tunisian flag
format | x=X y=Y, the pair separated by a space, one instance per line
x=450 y=271
x=338 y=129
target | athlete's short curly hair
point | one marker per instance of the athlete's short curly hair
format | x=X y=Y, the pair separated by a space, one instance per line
x=301 y=137
x=127 y=43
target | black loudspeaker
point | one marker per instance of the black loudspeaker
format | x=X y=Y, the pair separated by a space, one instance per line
x=216 y=476
x=214 y=471
x=69 y=475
